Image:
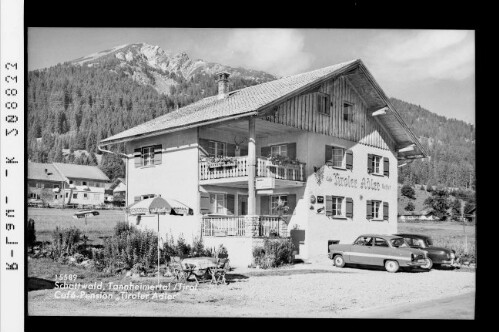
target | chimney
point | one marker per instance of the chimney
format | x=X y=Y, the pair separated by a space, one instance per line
x=223 y=84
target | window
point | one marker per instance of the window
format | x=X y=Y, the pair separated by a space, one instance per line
x=379 y=242
x=337 y=206
x=348 y=112
x=147 y=156
x=277 y=204
x=70 y=181
x=281 y=150
x=32 y=195
x=375 y=209
x=56 y=186
x=85 y=196
x=67 y=195
x=364 y=241
x=336 y=156
x=84 y=183
x=218 y=203
x=75 y=196
x=376 y=164
x=55 y=196
x=323 y=103
x=217 y=149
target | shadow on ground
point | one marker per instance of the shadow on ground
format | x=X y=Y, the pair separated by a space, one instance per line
x=39 y=283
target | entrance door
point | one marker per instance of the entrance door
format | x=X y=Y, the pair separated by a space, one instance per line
x=242 y=205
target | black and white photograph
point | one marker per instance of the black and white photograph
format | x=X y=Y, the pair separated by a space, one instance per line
x=250 y=172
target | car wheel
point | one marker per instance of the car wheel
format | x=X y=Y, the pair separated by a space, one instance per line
x=339 y=261
x=428 y=264
x=391 y=266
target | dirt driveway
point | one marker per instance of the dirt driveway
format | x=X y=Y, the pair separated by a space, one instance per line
x=304 y=290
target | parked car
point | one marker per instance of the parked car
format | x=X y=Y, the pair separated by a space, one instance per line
x=389 y=251
x=437 y=256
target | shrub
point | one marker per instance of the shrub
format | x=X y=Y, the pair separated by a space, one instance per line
x=182 y=248
x=30 y=232
x=129 y=248
x=410 y=207
x=275 y=253
x=67 y=242
x=198 y=249
x=221 y=251
x=408 y=191
x=123 y=227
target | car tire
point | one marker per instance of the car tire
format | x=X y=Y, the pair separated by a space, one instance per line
x=391 y=266
x=339 y=261
x=428 y=265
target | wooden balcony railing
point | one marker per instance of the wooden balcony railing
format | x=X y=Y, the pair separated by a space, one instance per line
x=239 y=168
x=223 y=226
x=235 y=226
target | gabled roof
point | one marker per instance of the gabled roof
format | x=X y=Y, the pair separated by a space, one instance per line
x=81 y=171
x=46 y=172
x=256 y=99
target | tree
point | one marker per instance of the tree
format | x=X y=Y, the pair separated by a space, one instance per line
x=456 y=210
x=439 y=203
x=408 y=191
x=410 y=206
x=112 y=166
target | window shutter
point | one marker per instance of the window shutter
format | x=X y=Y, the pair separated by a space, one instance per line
x=204 y=203
x=291 y=150
x=329 y=153
x=265 y=205
x=203 y=146
x=230 y=204
x=158 y=154
x=329 y=205
x=369 y=163
x=137 y=155
x=136 y=199
x=291 y=203
x=385 y=210
x=265 y=151
x=369 y=210
x=349 y=161
x=349 y=207
x=231 y=150
x=386 y=166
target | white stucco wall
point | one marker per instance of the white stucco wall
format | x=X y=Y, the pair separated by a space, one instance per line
x=177 y=175
x=188 y=227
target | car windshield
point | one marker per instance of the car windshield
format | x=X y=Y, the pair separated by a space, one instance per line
x=419 y=243
x=429 y=242
x=398 y=243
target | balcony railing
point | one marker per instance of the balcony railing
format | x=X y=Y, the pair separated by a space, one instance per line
x=235 y=226
x=223 y=226
x=238 y=167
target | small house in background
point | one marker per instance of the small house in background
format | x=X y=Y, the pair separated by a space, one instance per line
x=423 y=215
x=471 y=215
x=63 y=185
x=115 y=195
x=45 y=185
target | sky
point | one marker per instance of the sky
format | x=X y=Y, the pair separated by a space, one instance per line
x=431 y=68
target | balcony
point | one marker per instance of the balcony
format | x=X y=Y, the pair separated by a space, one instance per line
x=235 y=170
x=235 y=226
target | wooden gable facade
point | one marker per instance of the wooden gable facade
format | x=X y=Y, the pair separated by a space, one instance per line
x=306 y=111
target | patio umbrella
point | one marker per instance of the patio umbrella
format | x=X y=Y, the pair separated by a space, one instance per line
x=159 y=205
x=85 y=214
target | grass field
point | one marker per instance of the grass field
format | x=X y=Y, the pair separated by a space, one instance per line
x=97 y=227
x=445 y=234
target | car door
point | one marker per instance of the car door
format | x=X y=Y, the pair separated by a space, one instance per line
x=362 y=250
x=381 y=251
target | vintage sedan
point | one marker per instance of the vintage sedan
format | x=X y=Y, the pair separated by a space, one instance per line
x=437 y=256
x=389 y=251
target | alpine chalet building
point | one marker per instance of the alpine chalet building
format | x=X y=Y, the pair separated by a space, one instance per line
x=312 y=156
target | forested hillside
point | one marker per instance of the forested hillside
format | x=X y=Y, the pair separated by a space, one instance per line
x=75 y=106
x=449 y=142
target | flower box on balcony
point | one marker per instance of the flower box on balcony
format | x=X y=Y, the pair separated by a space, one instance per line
x=221 y=164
